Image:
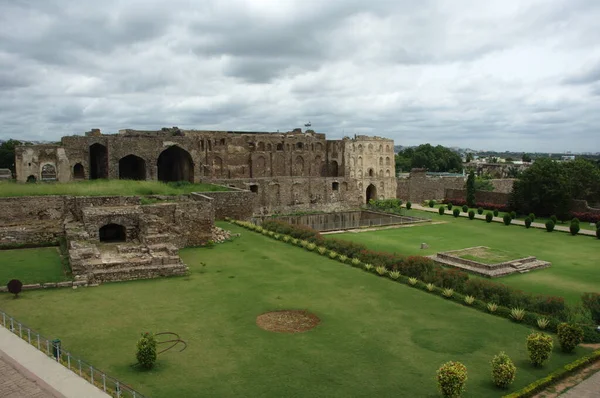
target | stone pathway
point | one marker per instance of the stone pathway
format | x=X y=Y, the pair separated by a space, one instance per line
x=499 y=219
x=16 y=385
x=34 y=374
x=589 y=388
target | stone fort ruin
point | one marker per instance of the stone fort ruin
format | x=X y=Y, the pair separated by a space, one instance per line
x=286 y=170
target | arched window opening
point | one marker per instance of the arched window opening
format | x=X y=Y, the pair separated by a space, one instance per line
x=78 y=172
x=175 y=164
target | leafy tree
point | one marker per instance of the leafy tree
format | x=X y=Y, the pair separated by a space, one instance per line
x=542 y=189
x=146 y=350
x=483 y=183
x=503 y=370
x=526 y=157
x=471 y=189
x=7 y=154
x=438 y=158
x=469 y=158
x=583 y=180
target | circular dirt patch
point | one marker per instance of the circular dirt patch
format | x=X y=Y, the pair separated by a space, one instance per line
x=287 y=321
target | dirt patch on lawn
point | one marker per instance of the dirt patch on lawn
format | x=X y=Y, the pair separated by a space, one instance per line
x=287 y=321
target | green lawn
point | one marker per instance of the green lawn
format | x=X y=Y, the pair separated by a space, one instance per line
x=104 y=187
x=31 y=265
x=575 y=268
x=486 y=256
x=376 y=337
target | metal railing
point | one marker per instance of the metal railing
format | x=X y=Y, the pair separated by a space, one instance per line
x=53 y=349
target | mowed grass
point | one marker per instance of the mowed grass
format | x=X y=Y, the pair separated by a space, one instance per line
x=103 y=188
x=376 y=337
x=575 y=268
x=31 y=265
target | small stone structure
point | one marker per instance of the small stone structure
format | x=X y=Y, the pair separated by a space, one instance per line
x=521 y=266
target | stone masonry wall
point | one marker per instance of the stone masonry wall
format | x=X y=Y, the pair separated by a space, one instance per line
x=499 y=198
x=419 y=187
x=504 y=185
x=237 y=204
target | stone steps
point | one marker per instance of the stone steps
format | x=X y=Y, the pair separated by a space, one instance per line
x=154 y=239
x=521 y=267
x=132 y=273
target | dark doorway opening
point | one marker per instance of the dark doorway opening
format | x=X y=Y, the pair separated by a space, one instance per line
x=333 y=169
x=31 y=179
x=335 y=186
x=371 y=193
x=175 y=164
x=98 y=162
x=112 y=233
x=132 y=167
x=78 y=172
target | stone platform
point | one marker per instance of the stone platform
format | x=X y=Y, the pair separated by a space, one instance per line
x=521 y=266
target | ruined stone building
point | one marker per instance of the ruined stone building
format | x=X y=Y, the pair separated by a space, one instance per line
x=286 y=170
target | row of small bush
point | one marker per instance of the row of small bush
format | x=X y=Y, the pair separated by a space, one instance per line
x=483 y=205
x=452 y=376
x=388 y=205
x=422 y=272
x=425 y=269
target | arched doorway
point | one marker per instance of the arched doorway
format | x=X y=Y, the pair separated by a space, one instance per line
x=31 y=179
x=112 y=233
x=175 y=164
x=98 y=162
x=371 y=193
x=78 y=172
x=132 y=167
x=333 y=169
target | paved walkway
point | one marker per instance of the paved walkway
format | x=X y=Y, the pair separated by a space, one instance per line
x=27 y=372
x=499 y=219
x=589 y=388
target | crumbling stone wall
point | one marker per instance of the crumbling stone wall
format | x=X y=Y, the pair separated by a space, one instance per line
x=499 y=198
x=504 y=185
x=238 y=204
x=419 y=186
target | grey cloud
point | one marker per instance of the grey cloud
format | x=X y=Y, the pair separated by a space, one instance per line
x=590 y=75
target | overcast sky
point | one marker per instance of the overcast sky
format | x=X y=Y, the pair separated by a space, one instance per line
x=504 y=75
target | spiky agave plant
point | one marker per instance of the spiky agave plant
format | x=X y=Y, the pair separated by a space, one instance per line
x=448 y=292
x=413 y=281
x=394 y=274
x=381 y=270
x=517 y=314
x=430 y=287
x=469 y=300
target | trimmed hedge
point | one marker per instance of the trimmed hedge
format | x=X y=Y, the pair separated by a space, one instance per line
x=554 y=377
x=489 y=217
x=527 y=222
x=507 y=219
x=456 y=212
x=441 y=210
x=550 y=225
x=471 y=214
x=485 y=205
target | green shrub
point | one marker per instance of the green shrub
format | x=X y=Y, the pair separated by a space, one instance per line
x=539 y=347
x=492 y=307
x=507 y=219
x=146 y=350
x=449 y=205
x=598 y=233
x=321 y=250
x=408 y=205
x=550 y=225
x=569 y=336
x=503 y=370
x=456 y=212
x=532 y=216
x=469 y=300
x=527 y=222
x=394 y=274
x=575 y=220
x=471 y=214
x=554 y=219
x=598 y=225
x=355 y=262
x=343 y=258
x=496 y=212
x=332 y=255
x=311 y=247
x=574 y=228
x=431 y=203
x=430 y=287
x=441 y=210
x=480 y=210
x=381 y=270
x=451 y=379
x=543 y=322
x=14 y=286
x=591 y=301
x=448 y=292
x=489 y=216
x=413 y=281
x=368 y=267
x=513 y=214
x=465 y=208
x=517 y=314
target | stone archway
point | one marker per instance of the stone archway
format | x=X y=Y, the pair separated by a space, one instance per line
x=78 y=172
x=175 y=164
x=98 y=162
x=112 y=233
x=132 y=167
x=371 y=193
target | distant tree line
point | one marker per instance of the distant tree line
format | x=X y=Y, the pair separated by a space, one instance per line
x=7 y=154
x=433 y=158
x=547 y=187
